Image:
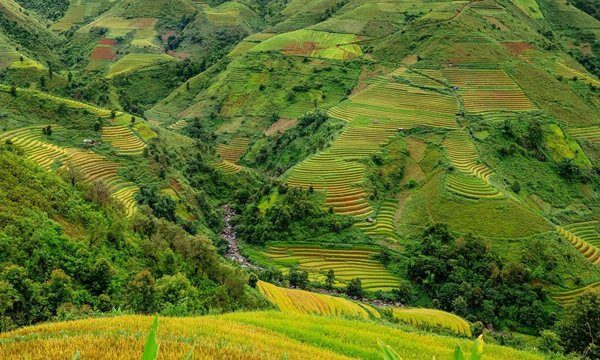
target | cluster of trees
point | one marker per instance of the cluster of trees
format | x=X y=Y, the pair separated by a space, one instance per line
x=296 y=214
x=464 y=276
x=278 y=153
x=50 y=9
x=62 y=256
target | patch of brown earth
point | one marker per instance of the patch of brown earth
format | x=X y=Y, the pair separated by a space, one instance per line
x=280 y=126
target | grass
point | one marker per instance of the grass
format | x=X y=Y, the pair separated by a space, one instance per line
x=434 y=318
x=313 y=43
x=133 y=62
x=243 y=335
x=347 y=263
x=306 y=302
x=530 y=7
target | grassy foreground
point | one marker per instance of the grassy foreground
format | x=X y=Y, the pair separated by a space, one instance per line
x=250 y=335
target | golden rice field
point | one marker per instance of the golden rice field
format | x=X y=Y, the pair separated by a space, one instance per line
x=228 y=167
x=92 y=166
x=123 y=139
x=591 y=134
x=570 y=296
x=472 y=177
x=346 y=263
x=484 y=90
x=383 y=224
x=178 y=125
x=234 y=149
x=585 y=237
x=306 y=302
x=374 y=115
x=242 y=335
x=432 y=318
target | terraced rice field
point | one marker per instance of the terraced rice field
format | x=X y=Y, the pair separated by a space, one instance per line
x=488 y=90
x=228 y=167
x=433 y=318
x=591 y=134
x=384 y=222
x=132 y=62
x=313 y=43
x=306 y=302
x=123 y=140
x=93 y=167
x=472 y=179
x=234 y=149
x=178 y=125
x=346 y=263
x=374 y=115
x=585 y=237
x=570 y=296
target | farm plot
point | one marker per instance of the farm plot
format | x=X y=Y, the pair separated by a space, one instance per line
x=570 y=296
x=472 y=178
x=384 y=222
x=591 y=134
x=313 y=43
x=434 y=318
x=375 y=114
x=143 y=28
x=92 y=166
x=306 y=302
x=132 y=62
x=178 y=125
x=488 y=90
x=234 y=149
x=346 y=263
x=123 y=140
x=228 y=167
x=585 y=237
x=77 y=13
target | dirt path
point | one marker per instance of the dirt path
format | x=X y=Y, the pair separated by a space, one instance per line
x=228 y=234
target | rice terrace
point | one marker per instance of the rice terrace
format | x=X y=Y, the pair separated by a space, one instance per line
x=285 y=179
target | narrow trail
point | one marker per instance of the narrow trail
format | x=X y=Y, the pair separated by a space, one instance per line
x=233 y=249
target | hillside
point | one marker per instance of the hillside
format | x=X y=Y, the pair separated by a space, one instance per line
x=235 y=336
x=419 y=172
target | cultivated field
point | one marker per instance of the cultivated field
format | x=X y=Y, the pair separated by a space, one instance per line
x=488 y=90
x=313 y=43
x=234 y=149
x=591 y=134
x=472 y=177
x=93 y=167
x=570 y=296
x=123 y=140
x=346 y=263
x=133 y=62
x=241 y=335
x=585 y=237
x=433 y=318
x=375 y=115
x=384 y=221
x=306 y=302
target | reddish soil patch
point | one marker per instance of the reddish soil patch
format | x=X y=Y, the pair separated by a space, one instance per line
x=280 y=125
x=174 y=184
x=167 y=35
x=181 y=55
x=301 y=48
x=103 y=53
x=518 y=47
x=105 y=41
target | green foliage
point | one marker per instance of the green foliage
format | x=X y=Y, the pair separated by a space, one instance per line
x=151 y=347
x=466 y=277
x=278 y=153
x=580 y=326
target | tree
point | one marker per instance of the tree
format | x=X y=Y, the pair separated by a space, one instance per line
x=142 y=292
x=132 y=120
x=330 y=279
x=550 y=342
x=47 y=130
x=580 y=326
x=113 y=114
x=354 y=288
x=42 y=82
x=59 y=289
x=252 y=280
